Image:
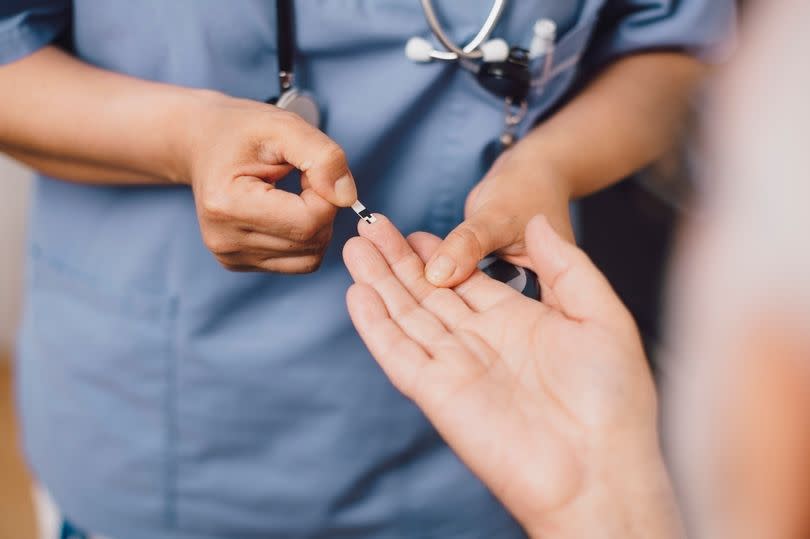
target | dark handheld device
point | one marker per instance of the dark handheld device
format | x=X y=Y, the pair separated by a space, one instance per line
x=521 y=279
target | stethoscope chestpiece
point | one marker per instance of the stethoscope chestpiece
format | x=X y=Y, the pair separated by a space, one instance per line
x=300 y=102
x=509 y=78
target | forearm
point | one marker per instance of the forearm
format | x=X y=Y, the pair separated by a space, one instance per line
x=626 y=118
x=70 y=119
x=80 y=171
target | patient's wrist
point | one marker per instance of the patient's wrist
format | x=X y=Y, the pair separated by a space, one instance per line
x=626 y=497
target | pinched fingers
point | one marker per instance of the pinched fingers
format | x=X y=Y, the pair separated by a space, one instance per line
x=409 y=269
x=251 y=226
x=479 y=291
x=320 y=159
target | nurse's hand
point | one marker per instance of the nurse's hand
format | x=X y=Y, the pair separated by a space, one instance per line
x=497 y=210
x=236 y=151
x=551 y=404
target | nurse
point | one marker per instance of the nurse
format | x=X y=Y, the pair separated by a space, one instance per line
x=164 y=396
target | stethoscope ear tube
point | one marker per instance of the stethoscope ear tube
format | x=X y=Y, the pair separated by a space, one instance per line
x=291 y=98
x=501 y=69
x=470 y=51
x=285 y=30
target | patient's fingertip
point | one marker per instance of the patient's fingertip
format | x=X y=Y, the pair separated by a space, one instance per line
x=381 y=225
x=421 y=237
x=353 y=294
x=353 y=250
x=350 y=244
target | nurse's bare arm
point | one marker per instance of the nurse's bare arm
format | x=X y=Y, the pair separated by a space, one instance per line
x=623 y=120
x=79 y=171
x=84 y=124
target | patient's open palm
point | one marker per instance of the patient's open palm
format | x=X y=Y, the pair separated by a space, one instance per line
x=520 y=389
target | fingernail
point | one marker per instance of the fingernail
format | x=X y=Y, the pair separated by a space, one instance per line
x=441 y=269
x=345 y=191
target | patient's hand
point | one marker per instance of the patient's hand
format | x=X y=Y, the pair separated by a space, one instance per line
x=550 y=404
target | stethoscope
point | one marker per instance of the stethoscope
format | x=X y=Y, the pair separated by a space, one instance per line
x=503 y=70
x=290 y=97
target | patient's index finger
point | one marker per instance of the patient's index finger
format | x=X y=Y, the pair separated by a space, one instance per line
x=409 y=268
x=479 y=291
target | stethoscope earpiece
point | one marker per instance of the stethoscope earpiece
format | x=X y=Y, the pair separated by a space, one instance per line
x=545 y=34
x=418 y=49
x=495 y=50
x=502 y=70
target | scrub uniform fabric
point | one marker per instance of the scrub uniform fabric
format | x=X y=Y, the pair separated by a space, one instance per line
x=50 y=523
x=165 y=397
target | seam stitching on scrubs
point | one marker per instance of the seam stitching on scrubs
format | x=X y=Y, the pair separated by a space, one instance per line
x=141 y=303
x=441 y=216
x=170 y=478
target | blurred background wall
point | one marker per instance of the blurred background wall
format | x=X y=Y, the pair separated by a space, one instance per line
x=15 y=185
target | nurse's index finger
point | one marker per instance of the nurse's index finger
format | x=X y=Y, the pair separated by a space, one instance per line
x=276 y=212
x=410 y=270
x=320 y=159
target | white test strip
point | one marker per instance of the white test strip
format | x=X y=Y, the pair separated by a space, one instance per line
x=364 y=214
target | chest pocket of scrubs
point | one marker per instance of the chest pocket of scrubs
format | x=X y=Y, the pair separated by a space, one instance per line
x=549 y=88
x=93 y=391
x=475 y=134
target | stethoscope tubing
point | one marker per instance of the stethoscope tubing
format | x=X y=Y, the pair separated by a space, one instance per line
x=470 y=51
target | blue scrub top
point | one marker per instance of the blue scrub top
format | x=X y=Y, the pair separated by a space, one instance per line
x=165 y=397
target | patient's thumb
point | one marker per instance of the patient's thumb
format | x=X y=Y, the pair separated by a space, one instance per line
x=578 y=287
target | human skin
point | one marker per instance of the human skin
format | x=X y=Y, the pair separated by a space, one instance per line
x=551 y=404
x=106 y=128
x=626 y=118
x=230 y=151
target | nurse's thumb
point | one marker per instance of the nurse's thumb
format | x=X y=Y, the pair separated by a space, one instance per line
x=578 y=288
x=459 y=254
